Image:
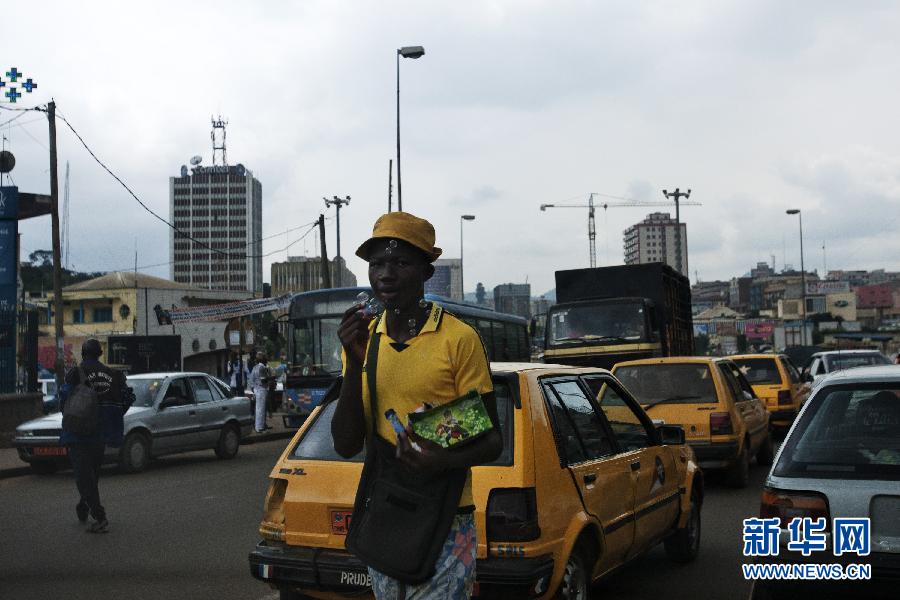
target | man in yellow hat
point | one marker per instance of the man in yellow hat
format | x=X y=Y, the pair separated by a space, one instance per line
x=422 y=354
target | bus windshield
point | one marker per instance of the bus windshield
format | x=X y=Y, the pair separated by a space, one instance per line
x=317 y=348
x=598 y=322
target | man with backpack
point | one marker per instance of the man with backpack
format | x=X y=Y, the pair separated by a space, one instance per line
x=93 y=404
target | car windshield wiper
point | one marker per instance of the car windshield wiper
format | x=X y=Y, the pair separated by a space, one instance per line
x=678 y=398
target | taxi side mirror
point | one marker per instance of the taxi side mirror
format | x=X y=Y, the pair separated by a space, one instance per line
x=671 y=435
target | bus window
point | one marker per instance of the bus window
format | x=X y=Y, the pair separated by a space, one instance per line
x=501 y=343
x=484 y=328
x=511 y=338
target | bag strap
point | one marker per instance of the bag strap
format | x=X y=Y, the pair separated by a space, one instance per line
x=372 y=371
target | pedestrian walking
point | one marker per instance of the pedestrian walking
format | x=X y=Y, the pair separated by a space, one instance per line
x=259 y=382
x=238 y=374
x=414 y=352
x=86 y=443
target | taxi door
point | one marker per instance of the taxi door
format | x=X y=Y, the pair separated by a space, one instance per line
x=653 y=471
x=603 y=477
x=747 y=404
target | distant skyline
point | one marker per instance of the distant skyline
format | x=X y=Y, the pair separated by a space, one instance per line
x=756 y=106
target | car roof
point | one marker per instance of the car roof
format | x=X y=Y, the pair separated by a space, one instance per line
x=163 y=374
x=850 y=351
x=872 y=374
x=676 y=360
x=523 y=367
x=757 y=355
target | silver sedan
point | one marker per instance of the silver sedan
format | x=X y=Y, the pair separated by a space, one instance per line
x=173 y=412
x=840 y=463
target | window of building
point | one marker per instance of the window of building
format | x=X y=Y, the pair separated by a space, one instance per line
x=78 y=315
x=103 y=315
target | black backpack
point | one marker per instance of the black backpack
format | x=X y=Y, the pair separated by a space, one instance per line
x=81 y=412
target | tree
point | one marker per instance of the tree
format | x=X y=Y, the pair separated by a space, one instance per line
x=41 y=258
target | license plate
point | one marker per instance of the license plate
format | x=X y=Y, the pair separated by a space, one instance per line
x=348 y=578
x=340 y=521
x=50 y=451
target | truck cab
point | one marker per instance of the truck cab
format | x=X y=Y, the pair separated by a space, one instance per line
x=601 y=332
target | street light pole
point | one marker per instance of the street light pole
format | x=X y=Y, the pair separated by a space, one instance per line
x=796 y=211
x=461 y=279
x=677 y=195
x=405 y=52
x=338 y=203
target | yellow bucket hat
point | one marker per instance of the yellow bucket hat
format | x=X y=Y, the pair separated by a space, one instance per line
x=402 y=226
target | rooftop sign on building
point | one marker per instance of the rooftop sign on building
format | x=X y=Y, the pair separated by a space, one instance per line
x=822 y=288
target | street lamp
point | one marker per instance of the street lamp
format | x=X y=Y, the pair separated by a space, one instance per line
x=405 y=52
x=338 y=203
x=796 y=211
x=461 y=280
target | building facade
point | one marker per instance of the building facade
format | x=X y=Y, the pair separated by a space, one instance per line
x=304 y=273
x=654 y=240
x=446 y=281
x=513 y=298
x=220 y=210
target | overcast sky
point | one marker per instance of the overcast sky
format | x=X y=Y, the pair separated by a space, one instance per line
x=756 y=106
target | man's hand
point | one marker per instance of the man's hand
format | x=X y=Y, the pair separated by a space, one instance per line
x=354 y=333
x=420 y=454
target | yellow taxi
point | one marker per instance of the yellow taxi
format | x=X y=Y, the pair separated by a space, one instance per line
x=777 y=383
x=723 y=420
x=579 y=490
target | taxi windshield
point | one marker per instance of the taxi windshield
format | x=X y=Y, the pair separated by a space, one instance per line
x=759 y=370
x=670 y=384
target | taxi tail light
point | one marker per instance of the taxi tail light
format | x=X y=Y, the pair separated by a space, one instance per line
x=788 y=505
x=784 y=397
x=512 y=515
x=720 y=423
x=272 y=525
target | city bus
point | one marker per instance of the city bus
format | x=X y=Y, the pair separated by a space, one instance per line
x=314 y=350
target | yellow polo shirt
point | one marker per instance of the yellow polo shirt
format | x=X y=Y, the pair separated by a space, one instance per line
x=443 y=362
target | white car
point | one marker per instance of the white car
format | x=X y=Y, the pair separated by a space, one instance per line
x=840 y=460
x=822 y=363
x=172 y=412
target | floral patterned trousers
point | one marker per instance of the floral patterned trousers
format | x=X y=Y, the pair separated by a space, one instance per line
x=454 y=577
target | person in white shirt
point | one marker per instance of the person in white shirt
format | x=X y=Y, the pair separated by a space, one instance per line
x=259 y=382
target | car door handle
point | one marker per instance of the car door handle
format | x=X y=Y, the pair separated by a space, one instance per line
x=590 y=478
x=192 y=412
x=636 y=465
x=224 y=408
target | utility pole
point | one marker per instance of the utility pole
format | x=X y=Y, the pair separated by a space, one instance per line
x=58 y=316
x=326 y=271
x=677 y=195
x=338 y=202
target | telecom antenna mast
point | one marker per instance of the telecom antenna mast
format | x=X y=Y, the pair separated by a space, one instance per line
x=217 y=135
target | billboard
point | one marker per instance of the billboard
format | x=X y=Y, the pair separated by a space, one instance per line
x=821 y=288
x=759 y=331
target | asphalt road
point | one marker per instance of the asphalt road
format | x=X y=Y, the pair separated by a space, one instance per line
x=183 y=529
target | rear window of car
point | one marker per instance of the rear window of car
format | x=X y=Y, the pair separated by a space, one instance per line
x=317 y=444
x=759 y=370
x=837 y=362
x=669 y=383
x=848 y=432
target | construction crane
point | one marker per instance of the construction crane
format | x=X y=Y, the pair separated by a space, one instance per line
x=621 y=202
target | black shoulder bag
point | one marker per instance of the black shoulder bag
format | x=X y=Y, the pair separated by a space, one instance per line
x=401 y=518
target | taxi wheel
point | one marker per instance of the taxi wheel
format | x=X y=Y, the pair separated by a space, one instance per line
x=766 y=453
x=135 y=453
x=575 y=581
x=229 y=442
x=739 y=473
x=683 y=545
